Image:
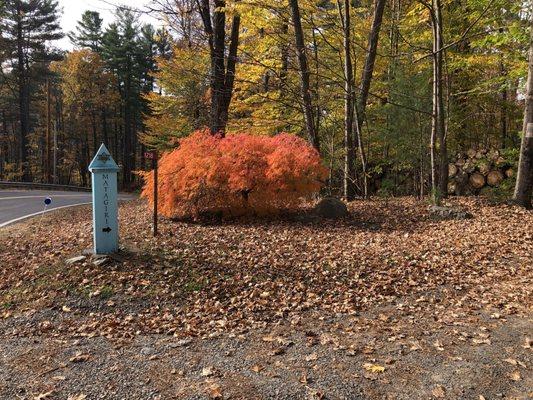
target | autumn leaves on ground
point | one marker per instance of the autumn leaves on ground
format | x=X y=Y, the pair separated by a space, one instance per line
x=386 y=303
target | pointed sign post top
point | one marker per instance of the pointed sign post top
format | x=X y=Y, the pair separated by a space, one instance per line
x=103 y=161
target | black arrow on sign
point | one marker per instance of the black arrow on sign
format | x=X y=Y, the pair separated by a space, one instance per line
x=107 y=230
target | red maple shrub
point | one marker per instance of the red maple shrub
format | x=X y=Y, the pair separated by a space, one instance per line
x=236 y=175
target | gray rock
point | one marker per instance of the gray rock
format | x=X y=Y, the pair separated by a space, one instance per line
x=75 y=260
x=331 y=207
x=182 y=343
x=440 y=212
x=101 y=261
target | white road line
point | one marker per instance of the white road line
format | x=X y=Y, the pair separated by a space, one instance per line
x=44 y=196
x=39 y=213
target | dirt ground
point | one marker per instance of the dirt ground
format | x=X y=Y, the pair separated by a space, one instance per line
x=387 y=304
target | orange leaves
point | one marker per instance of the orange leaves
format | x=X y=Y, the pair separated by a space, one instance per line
x=236 y=175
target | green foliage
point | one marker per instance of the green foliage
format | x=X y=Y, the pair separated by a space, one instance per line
x=386 y=188
x=501 y=193
x=510 y=156
x=88 y=33
x=182 y=105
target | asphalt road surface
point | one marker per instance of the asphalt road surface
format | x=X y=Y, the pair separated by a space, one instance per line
x=16 y=205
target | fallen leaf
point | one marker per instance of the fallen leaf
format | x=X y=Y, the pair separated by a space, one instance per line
x=480 y=341
x=77 y=397
x=43 y=396
x=311 y=357
x=208 y=371
x=515 y=376
x=215 y=391
x=438 y=345
x=438 y=392
x=278 y=351
x=257 y=368
x=373 y=368
x=79 y=357
x=415 y=346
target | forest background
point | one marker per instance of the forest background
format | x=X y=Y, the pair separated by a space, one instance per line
x=394 y=94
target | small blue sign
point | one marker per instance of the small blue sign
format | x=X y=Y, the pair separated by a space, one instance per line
x=47 y=201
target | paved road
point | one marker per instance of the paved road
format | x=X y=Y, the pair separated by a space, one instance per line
x=16 y=205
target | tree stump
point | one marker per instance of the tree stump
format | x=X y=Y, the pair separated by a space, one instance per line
x=471 y=153
x=484 y=167
x=461 y=184
x=452 y=170
x=493 y=155
x=494 y=177
x=477 y=180
x=469 y=167
x=451 y=187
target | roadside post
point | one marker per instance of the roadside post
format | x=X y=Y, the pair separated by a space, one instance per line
x=152 y=155
x=105 y=208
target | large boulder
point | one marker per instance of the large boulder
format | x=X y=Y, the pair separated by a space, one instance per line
x=331 y=207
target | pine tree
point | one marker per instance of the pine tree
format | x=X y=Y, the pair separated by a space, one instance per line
x=27 y=26
x=163 y=43
x=89 y=32
x=129 y=52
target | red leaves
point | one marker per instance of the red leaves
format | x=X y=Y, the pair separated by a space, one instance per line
x=236 y=175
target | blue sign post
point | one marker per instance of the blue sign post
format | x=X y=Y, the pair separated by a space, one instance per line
x=105 y=208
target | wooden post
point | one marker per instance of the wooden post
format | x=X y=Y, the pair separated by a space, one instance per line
x=105 y=207
x=154 y=165
x=153 y=156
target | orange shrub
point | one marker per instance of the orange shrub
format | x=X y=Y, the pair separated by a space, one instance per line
x=236 y=175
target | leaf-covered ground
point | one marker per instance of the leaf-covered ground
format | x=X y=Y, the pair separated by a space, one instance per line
x=385 y=303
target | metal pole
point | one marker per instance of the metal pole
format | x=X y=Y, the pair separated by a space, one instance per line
x=48 y=116
x=55 y=152
x=154 y=165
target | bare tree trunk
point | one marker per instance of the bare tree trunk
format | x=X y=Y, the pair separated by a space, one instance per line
x=439 y=153
x=370 y=60
x=23 y=98
x=349 y=157
x=366 y=80
x=524 y=178
x=304 y=75
x=360 y=145
x=229 y=77
x=443 y=148
x=222 y=76
x=284 y=62
x=503 y=105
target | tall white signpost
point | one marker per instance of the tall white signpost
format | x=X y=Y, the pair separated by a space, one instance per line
x=105 y=208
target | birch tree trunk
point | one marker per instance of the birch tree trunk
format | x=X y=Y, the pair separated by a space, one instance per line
x=439 y=152
x=524 y=178
x=349 y=157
